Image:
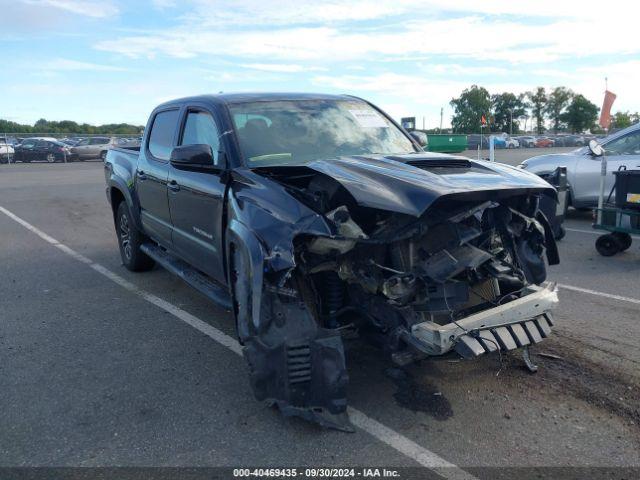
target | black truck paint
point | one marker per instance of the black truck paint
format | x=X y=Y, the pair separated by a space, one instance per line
x=286 y=245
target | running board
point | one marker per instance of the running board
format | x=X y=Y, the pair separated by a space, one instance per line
x=193 y=277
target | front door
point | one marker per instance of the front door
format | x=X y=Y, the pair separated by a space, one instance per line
x=152 y=173
x=196 y=199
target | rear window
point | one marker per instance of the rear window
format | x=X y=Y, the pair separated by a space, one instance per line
x=162 y=132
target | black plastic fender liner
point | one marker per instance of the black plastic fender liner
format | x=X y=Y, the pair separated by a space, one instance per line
x=553 y=256
x=299 y=366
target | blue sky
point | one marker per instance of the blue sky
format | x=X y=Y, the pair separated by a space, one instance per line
x=102 y=61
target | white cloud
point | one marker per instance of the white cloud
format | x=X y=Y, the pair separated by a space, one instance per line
x=280 y=67
x=88 y=8
x=63 y=64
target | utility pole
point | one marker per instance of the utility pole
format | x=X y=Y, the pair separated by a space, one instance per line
x=441 y=112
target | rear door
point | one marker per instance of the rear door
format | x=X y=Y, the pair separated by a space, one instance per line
x=41 y=150
x=196 y=198
x=151 y=175
x=621 y=152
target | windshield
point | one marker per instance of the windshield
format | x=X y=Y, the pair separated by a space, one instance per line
x=298 y=132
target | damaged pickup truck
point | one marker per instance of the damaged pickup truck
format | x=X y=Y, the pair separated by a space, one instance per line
x=316 y=218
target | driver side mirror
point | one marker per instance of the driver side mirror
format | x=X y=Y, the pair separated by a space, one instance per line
x=595 y=148
x=198 y=155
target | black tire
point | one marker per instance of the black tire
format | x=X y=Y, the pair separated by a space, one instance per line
x=129 y=240
x=607 y=245
x=103 y=155
x=624 y=239
x=561 y=233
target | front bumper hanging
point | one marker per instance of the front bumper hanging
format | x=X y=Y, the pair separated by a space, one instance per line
x=521 y=322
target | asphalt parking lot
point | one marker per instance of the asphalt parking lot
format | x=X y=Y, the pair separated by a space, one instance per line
x=102 y=367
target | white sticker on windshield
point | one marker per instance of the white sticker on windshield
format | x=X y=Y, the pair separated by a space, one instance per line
x=368 y=119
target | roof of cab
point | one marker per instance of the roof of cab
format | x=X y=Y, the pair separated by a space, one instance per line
x=229 y=98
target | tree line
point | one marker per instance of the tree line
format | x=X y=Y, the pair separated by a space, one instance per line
x=69 y=126
x=565 y=111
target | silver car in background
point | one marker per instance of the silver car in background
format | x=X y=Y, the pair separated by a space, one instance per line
x=583 y=168
x=93 y=147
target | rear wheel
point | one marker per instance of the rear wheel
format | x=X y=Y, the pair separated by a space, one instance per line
x=624 y=239
x=51 y=157
x=608 y=245
x=129 y=240
x=103 y=156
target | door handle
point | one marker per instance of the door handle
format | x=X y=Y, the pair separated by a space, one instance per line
x=173 y=186
x=141 y=175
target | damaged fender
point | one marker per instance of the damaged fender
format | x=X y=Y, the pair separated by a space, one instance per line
x=294 y=363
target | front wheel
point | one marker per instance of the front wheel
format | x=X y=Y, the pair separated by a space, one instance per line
x=129 y=241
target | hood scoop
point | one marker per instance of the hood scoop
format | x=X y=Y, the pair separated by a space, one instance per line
x=429 y=163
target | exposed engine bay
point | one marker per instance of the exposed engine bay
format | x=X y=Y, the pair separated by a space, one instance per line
x=465 y=276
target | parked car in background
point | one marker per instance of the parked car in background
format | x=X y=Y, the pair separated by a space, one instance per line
x=71 y=142
x=41 y=149
x=583 y=168
x=544 y=142
x=91 y=148
x=474 y=140
x=575 y=141
x=9 y=140
x=6 y=152
x=526 y=141
x=507 y=141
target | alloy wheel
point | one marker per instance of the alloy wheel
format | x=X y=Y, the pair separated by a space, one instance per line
x=125 y=239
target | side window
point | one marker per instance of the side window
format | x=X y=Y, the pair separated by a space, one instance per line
x=42 y=144
x=98 y=141
x=627 y=145
x=200 y=128
x=28 y=143
x=161 y=136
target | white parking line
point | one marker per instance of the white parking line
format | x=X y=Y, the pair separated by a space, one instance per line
x=397 y=441
x=600 y=294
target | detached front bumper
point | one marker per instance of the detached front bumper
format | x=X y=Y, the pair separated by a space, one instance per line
x=516 y=324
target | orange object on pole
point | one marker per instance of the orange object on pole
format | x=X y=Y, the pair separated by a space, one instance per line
x=483 y=120
x=605 y=113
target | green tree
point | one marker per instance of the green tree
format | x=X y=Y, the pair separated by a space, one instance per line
x=69 y=127
x=624 y=119
x=538 y=99
x=557 y=101
x=469 y=108
x=507 y=107
x=580 y=115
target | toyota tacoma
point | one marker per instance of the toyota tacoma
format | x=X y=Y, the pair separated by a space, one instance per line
x=317 y=218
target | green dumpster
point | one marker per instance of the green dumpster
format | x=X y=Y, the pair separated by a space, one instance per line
x=447 y=143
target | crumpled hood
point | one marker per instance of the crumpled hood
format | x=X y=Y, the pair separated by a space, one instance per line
x=390 y=184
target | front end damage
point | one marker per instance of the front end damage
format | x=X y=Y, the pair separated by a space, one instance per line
x=459 y=271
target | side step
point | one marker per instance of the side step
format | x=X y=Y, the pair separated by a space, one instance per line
x=193 y=277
